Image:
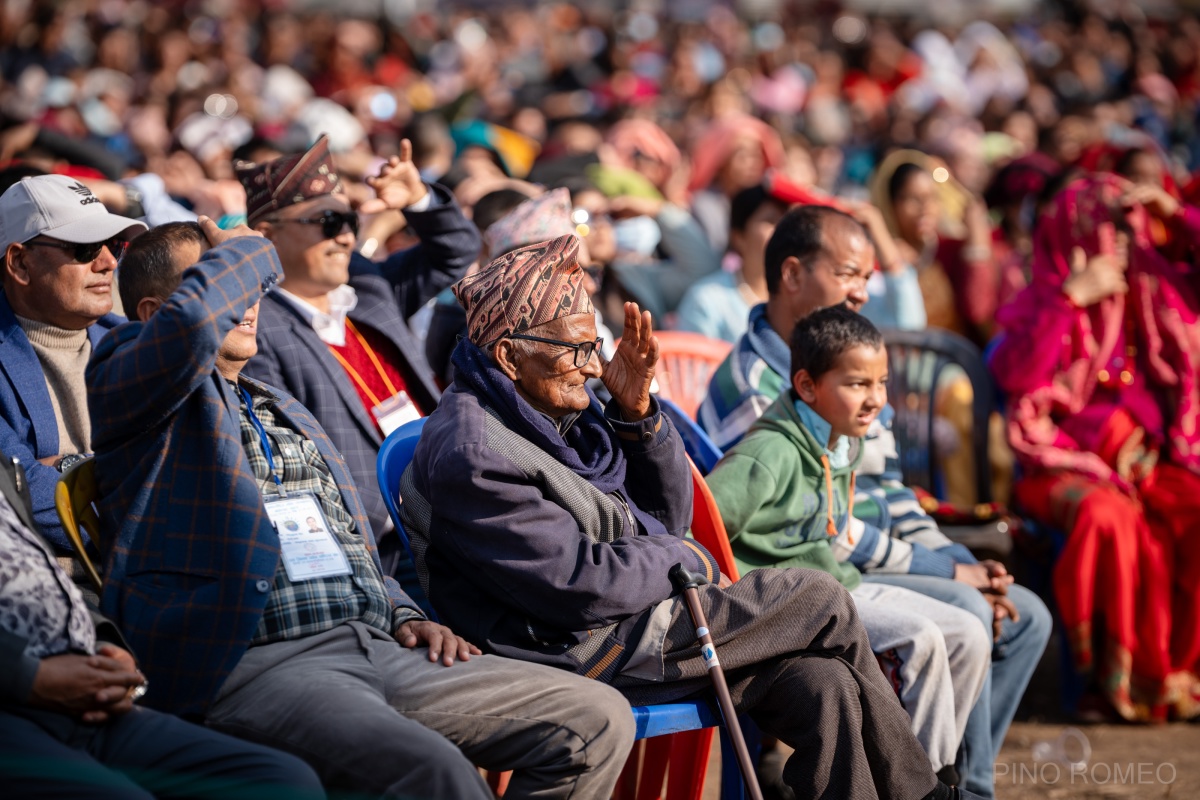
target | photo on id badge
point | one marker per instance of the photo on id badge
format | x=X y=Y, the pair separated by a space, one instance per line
x=310 y=550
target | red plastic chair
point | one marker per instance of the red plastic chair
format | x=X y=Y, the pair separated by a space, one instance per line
x=682 y=758
x=707 y=526
x=686 y=363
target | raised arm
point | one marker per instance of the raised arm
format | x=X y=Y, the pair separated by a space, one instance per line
x=142 y=372
x=450 y=242
x=1039 y=323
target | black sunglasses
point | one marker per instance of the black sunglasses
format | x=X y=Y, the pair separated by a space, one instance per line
x=583 y=350
x=332 y=222
x=85 y=252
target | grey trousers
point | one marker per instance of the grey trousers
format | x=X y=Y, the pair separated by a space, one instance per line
x=376 y=718
x=939 y=655
x=798 y=661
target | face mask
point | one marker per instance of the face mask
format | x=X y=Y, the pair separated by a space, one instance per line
x=99 y=118
x=637 y=234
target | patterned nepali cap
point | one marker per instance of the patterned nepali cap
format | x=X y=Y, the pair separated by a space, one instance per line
x=538 y=219
x=523 y=289
x=288 y=180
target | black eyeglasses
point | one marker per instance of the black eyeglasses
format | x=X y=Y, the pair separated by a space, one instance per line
x=332 y=222
x=85 y=252
x=583 y=350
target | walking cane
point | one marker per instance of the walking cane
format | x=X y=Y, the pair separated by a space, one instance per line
x=687 y=582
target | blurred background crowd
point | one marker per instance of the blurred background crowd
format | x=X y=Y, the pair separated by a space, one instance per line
x=165 y=95
x=682 y=129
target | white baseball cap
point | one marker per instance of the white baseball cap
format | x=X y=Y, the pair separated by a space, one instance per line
x=61 y=208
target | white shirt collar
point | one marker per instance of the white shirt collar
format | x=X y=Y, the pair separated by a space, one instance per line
x=331 y=327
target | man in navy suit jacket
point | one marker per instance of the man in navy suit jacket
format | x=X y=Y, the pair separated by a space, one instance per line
x=60 y=250
x=334 y=334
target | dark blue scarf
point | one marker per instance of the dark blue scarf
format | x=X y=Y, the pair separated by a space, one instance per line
x=587 y=447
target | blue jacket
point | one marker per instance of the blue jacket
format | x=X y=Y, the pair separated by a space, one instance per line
x=292 y=356
x=28 y=429
x=194 y=555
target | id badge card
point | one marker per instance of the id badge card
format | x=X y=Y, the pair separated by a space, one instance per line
x=306 y=542
x=395 y=411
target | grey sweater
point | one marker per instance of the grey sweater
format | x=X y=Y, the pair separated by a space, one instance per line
x=64 y=356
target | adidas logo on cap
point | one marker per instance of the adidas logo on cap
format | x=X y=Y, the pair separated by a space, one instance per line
x=80 y=189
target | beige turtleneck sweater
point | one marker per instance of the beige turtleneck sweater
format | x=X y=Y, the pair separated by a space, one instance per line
x=64 y=355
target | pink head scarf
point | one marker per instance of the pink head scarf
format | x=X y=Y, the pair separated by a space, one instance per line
x=716 y=145
x=1161 y=305
x=633 y=136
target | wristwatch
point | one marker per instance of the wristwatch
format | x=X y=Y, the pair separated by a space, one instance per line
x=66 y=462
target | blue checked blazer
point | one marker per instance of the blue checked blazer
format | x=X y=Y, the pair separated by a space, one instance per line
x=28 y=429
x=194 y=554
x=292 y=356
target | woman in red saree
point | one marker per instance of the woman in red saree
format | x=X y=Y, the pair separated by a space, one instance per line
x=1100 y=363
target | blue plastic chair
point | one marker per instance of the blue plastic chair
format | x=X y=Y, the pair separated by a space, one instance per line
x=696 y=442
x=650 y=721
x=394 y=455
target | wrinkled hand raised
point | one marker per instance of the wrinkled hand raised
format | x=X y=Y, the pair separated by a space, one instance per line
x=398 y=184
x=871 y=218
x=629 y=375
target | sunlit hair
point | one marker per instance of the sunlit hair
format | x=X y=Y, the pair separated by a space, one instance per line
x=820 y=339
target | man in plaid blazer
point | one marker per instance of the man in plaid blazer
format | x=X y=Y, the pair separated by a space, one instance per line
x=189 y=456
x=336 y=335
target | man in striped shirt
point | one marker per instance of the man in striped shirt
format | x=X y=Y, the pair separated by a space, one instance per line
x=820 y=257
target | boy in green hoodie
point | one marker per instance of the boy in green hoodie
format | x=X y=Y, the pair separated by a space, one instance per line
x=785 y=494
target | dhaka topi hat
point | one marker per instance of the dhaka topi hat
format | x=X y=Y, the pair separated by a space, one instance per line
x=523 y=289
x=287 y=181
x=538 y=219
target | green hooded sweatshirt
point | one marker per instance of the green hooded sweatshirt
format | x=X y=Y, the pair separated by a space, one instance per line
x=771 y=490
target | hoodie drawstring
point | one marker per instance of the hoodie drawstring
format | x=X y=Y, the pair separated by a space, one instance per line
x=830 y=525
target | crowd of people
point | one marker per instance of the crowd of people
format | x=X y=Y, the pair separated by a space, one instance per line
x=244 y=243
